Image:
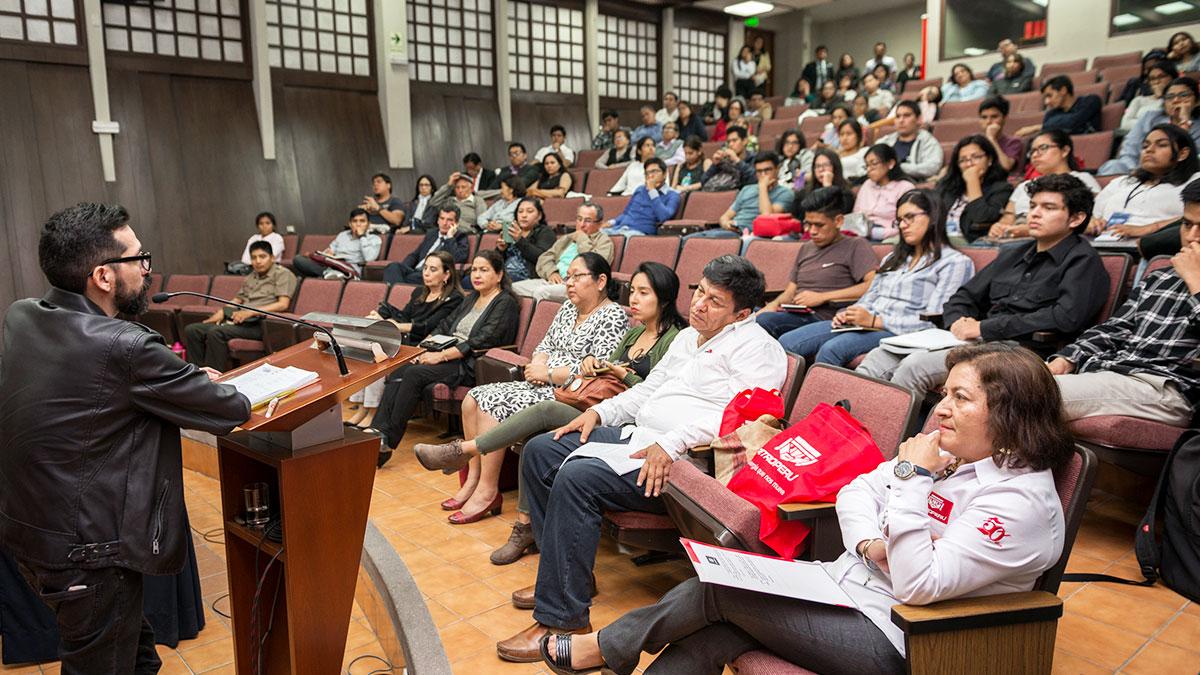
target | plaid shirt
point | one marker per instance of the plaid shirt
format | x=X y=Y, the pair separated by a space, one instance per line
x=1156 y=331
x=901 y=296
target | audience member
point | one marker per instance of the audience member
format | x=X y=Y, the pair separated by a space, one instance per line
x=802 y=92
x=826 y=98
x=1054 y=283
x=1074 y=115
x=589 y=322
x=975 y=188
x=1000 y=430
x=794 y=158
x=743 y=69
x=910 y=71
x=1000 y=69
x=839 y=113
x=715 y=109
x=446 y=237
x=501 y=213
x=879 y=193
x=1160 y=76
x=832 y=270
x=1184 y=52
x=553 y=264
x=689 y=124
x=265 y=223
x=481 y=177
x=851 y=151
x=817 y=71
x=486 y=318
x=916 y=278
x=881 y=56
x=457 y=192
x=1181 y=107
x=609 y=123
x=417 y=210
x=883 y=75
x=670 y=110
x=519 y=165
x=354 y=247
x=670 y=150
x=1147 y=200
x=385 y=209
x=635 y=176
x=555 y=181
x=571 y=482
x=649 y=128
x=826 y=171
x=1167 y=240
x=689 y=175
x=765 y=196
x=878 y=99
x=759 y=109
x=733 y=161
x=845 y=89
x=845 y=66
x=1139 y=85
x=993 y=113
x=1050 y=153
x=862 y=113
x=652 y=294
x=1018 y=77
x=268 y=287
x=525 y=240
x=963 y=86
x=762 y=61
x=650 y=205
x=920 y=154
x=438 y=297
x=734 y=117
x=558 y=145
x=619 y=154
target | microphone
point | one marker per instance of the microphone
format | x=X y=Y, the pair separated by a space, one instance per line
x=337 y=349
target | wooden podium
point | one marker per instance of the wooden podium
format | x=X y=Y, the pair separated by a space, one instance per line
x=320 y=476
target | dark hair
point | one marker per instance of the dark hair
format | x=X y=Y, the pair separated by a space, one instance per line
x=558 y=127
x=1190 y=194
x=450 y=207
x=935 y=239
x=654 y=161
x=597 y=266
x=517 y=144
x=783 y=139
x=964 y=67
x=694 y=143
x=910 y=105
x=1183 y=168
x=453 y=286
x=637 y=148
x=739 y=131
x=853 y=124
x=496 y=262
x=839 y=177
x=1195 y=47
x=1058 y=82
x=952 y=186
x=76 y=239
x=738 y=276
x=646 y=106
x=997 y=102
x=417 y=186
x=1168 y=68
x=537 y=204
x=819 y=48
x=624 y=132
x=609 y=114
x=386 y=178
x=886 y=71
x=767 y=156
x=1025 y=412
x=886 y=153
x=593 y=205
x=740 y=104
x=832 y=201
x=262 y=245
x=1063 y=140
x=356 y=212
x=472 y=158
x=723 y=91
x=1020 y=59
x=1077 y=197
x=269 y=216
x=515 y=183
x=562 y=168
x=1192 y=87
x=665 y=284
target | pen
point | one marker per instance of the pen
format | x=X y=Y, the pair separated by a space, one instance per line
x=271 y=407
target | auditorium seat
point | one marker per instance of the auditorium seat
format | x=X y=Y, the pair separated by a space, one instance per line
x=488 y=241
x=693 y=256
x=361 y=297
x=561 y=211
x=951 y=130
x=701 y=210
x=1117 y=76
x=399 y=295
x=644 y=249
x=882 y=250
x=772 y=129
x=790 y=113
x=600 y=181
x=956 y=110
x=290 y=242
x=315 y=295
x=586 y=159
x=811 y=128
x=1049 y=70
x=613 y=206
x=1017 y=120
x=1093 y=149
x=1127 y=59
x=915 y=86
x=224 y=286
x=618 y=241
x=981 y=256
x=710 y=147
x=1026 y=102
x=1110 y=116
x=776 y=260
x=579 y=176
x=160 y=317
x=401 y=246
x=311 y=243
x=1097 y=88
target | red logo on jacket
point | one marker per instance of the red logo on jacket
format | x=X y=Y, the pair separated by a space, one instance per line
x=939 y=507
x=993 y=529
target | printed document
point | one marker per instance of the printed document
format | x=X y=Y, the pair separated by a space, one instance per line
x=764 y=574
x=267 y=381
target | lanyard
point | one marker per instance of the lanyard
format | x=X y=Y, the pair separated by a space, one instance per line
x=1134 y=192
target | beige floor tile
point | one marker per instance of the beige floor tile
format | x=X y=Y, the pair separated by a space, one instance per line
x=1101 y=603
x=1159 y=658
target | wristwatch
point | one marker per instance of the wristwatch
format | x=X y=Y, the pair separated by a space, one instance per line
x=906 y=469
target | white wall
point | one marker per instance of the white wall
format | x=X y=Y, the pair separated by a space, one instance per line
x=899 y=27
x=1075 y=29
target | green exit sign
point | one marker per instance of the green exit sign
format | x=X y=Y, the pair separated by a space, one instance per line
x=752 y=22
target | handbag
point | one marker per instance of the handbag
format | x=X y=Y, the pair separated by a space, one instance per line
x=750 y=404
x=334 y=264
x=776 y=224
x=731 y=450
x=584 y=392
x=438 y=343
x=809 y=461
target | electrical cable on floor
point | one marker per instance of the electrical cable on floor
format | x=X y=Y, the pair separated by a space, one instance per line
x=213 y=606
x=390 y=668
x=210 y=535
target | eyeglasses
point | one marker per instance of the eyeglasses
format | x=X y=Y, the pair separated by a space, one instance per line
x=1189 y=223
x=573 y=278
x=1039 y=149
x=143 y=258
x=1179 y=95
x=583 y=219
x=873 y=163
x=910 y=218
x=971 y=159
x=764 y=170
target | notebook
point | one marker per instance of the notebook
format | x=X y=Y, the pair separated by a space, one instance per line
x=266 y=382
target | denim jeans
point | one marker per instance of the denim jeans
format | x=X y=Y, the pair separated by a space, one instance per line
x=625 y=230
x=778 y=323
x=566 y=505
x=816 y=340
x=100 y=619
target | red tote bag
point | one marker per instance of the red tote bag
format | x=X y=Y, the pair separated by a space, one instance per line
x=750 y=404
x=810 y=461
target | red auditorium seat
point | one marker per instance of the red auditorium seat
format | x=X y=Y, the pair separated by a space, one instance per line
x=915 y=86
x=1128 y=60
x=361 y=297
x=613 y=206
x=776 y=260
x=1049 y=70
x=701 y=210
x=561 y=211
x=160 y=317
x=1030 y=101
x=1093 y=149
x=710 y=147
x=1097 y=88
x=401 y=246
x=618 y=241
x=956 y=110
x=587 y=158
x=315 y=242
x=600 y=181
x=693 y=256
x=790 y=113
x=224 y=286
x=579 y=176
x=488 y=241
x=772 y=129
x=400 y=294
x=1110 y=116
x=811 y=128
x=951 y=130
x=644 y=249
x=314 y=295
x=1117 y=76
x=290 y=242
x=981 y=256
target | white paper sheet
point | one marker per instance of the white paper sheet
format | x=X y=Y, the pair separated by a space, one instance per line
x=764 y=574
x=266 y=382
x=930 y=339
x=616 y=455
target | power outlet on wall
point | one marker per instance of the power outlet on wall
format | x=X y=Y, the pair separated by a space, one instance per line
x=290 y=229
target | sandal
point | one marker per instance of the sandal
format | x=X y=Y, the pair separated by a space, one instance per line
x=560 y=662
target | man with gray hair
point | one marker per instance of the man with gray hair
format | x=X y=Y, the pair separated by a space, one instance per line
x=552 y=265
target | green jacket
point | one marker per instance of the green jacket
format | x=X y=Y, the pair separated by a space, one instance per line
x=656 y=352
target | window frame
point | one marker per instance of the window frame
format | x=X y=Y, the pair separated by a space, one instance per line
x=308 y=78
x=1113 y=11
x=515 y=73
x=48 y=52
x=1042 y=42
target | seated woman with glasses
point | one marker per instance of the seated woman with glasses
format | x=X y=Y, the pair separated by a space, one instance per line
x=975 y=187
x=1001 y=436
x=1050 y=153
x=878 y=195
x=590 y=322
x=916 y=278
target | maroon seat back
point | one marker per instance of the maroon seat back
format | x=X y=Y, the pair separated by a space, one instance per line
x=600 y=181
x=708 y=206
x=224 y=286
x=613 y=206
x=1030 y=101
x=710 y=147
x=791 y=383
x=1098 y=88
x=887 y=410
x=1126 y=59
x=488 y=241
x=1110 y=116
x=642 y=249
x=543 y=316
x=400 y=294
x=290 y=242
x=882 y=250
x=1156 y=263
x=561 y=211
x=1117 y=76
x=360 y=297
x=789 y=112
x=772 y=129
x=402 y=245
x=618 y=241
x=1117 y=266
x=196 y=283
x=156 y=283
x=1049 y=70
x=957 y=110
x=951 y=130
x=579 y=175
x=526 y=313
x=981 y=257
x=587 y=158
x=312 y=243
x=317 y=295
x=915 y=86
x=775 y=259
x=695 y=254
x=1093 y=149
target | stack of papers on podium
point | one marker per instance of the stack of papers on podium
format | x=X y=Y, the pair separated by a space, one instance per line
x=266 y=382
x=931 y=339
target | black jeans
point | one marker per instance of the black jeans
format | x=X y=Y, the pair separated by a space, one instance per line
x=208 y=343
x=100 y=619
x=402 y=392
x=306 y=267
x=566 y=506
x=399 y=273
x=708 y=626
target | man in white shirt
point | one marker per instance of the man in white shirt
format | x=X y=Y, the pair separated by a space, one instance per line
x=880 y=57
x=670 y=110
x=558 y=144
x=616 y=455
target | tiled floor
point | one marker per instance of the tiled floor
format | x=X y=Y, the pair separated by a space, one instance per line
x=1106 y=628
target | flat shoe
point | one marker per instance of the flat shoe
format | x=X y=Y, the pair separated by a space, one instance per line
x=452 y=504
x=560 y=661
x=492 y=509
x=524 y=647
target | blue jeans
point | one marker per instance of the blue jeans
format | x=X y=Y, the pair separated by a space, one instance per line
x=625 y=230
x=836 y=349
x=566 y=505
x=778 y=323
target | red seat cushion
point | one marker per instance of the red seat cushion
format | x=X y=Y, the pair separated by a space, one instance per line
x=1118 y=431
x=441 y=392
x=243 y=345
x=762 y=662
x=639 y=520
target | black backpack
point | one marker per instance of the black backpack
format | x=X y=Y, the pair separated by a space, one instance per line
x=1177 y=497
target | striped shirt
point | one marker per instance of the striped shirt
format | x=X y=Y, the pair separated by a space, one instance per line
x=899 y=297
x=1156 y=331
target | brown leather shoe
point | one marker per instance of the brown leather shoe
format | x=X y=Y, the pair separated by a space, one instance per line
x=520 y=541
x=445 y=457
x=524 y=598
x=524 y=646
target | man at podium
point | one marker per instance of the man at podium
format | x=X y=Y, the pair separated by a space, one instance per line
x=91 y=480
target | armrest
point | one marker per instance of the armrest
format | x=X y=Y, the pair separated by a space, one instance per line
x=935 y=319
x=1046 y=336
x=806 y=510
x=500 y=366
x=987 y=611
x=505 y=356
x=701 y=452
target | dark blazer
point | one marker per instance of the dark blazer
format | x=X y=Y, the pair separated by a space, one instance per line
x=530 y=173
x=425 y=315
x=979 y=216
x=488 y=180
x=810 y=73
x=459 y=247
x=496 y=327
x=96 y=479
x=694 y=127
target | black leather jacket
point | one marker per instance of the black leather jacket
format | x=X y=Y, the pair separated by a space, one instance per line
x=90 y=409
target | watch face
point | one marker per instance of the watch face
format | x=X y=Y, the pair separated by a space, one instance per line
x=904 y=469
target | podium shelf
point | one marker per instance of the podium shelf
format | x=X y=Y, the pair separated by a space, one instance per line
x=254 y=537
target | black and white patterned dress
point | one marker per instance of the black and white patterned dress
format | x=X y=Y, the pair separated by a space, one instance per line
x=567 y=345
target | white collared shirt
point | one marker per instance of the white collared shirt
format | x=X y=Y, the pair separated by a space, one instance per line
x=680 y=404
x=998 y=529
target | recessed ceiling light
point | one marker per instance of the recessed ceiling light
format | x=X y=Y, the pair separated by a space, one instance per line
x=1041 y=3
x=1126 y=19
x=749 y=8
x=974 y=51
x=1174 y=8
